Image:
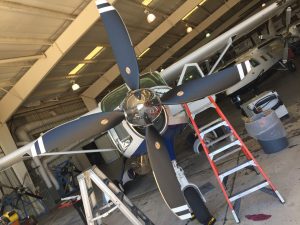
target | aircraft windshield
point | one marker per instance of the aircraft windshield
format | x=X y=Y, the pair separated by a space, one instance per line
x=191 y=73
x=113 y=99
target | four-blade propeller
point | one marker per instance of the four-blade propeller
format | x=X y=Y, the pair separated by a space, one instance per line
x=97 y=122
x=158 y=153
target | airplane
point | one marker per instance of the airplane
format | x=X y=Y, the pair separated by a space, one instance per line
x=150 y=112
x=272 y=51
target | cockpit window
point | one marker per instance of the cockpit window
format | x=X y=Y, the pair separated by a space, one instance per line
x=254 y=62
x=113 y=99
x=191 y=73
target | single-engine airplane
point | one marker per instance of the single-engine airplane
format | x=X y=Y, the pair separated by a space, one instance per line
x=149 y=108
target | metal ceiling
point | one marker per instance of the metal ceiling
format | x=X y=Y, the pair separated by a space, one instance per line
x=29 y=28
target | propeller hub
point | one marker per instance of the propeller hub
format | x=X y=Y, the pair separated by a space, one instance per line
x=142 y=107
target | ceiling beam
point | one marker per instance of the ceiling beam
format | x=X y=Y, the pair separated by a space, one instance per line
x=234 y=19
x=32 y=78
x=190 y=36
x=24 y=41
x=96 y=88
x=21 y=59
x=19 y=7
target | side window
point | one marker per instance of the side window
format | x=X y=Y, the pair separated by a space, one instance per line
x=264 y=58
x=254 y=63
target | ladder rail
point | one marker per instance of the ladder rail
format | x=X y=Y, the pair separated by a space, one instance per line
x=210 y=155
x=117 y=197
x=215 y=170
x=244 y=147
x=133 y=219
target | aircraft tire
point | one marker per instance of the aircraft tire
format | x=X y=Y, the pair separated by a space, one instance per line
x=291 y=66
x=198 y=206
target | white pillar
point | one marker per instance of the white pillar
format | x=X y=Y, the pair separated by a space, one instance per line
x=8 y=145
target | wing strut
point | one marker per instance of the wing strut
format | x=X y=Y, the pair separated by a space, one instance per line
x=229 y=43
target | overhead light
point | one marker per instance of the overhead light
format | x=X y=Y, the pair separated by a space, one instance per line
x=146 y=2
x=207 y=35
x=202 y=2
x=77 y=69
x=75 y=86
x=263 y=5
x=96 y=51
x=143 y=53
x=189 y=29
x=190 y=13
x=150 y=16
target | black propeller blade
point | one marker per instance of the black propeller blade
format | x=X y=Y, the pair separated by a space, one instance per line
x=76 y=130
x=164 y=173
x=121 y=43
x=196 y=89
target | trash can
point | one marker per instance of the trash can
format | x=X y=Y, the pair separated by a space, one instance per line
x=267 y=128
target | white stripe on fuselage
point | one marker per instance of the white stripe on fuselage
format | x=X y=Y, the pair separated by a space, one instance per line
x=248 y=66
x=241 y=71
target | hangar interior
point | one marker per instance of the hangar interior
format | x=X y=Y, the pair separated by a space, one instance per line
x=57 y=63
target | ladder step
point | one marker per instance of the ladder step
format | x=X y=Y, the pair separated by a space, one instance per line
x=236 y=169
x=249 y=190
x=210 y=129
x=211 y=123
x=227 y=154
x=219 y=139
x=222 y=149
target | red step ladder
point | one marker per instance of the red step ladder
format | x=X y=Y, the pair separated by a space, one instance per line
x=229 y=149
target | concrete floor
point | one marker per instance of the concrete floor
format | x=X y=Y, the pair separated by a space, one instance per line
x=283 y=168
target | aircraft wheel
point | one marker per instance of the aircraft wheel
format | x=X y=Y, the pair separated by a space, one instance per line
x=198 y=207
x=291 y=66
x=236 y=100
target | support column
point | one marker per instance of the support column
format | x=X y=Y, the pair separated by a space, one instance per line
x=8 y=145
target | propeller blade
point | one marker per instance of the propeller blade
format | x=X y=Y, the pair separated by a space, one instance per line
x=120 y=43
x=285 y=52
x=271 y=28
x=288 y=18
x=164 y=173
x=196 y=89
x=76 y=130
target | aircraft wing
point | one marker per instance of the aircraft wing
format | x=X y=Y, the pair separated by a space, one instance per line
x=171 y=73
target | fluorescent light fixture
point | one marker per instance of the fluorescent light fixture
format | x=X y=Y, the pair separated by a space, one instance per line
x=143 y=53
x=75 y=86
x=96 y=51
x=77 y=68
x=146 y=2
x=202 y=2
x=190 y=13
